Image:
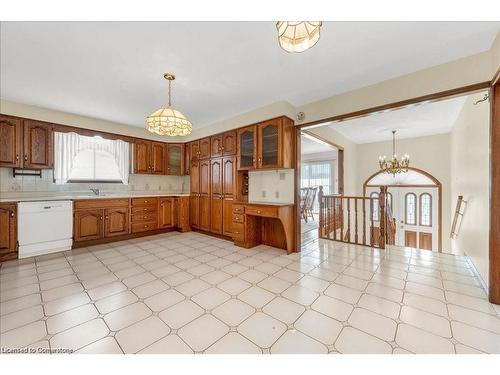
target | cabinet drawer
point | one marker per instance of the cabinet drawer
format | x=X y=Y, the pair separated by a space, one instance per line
x=144 y=227
x=237 y=218
x=144 y=210
x=100 y=203
x=238 y=232
x=144 y=201
x=238 y=209
x=141 y=217
x=262 y=211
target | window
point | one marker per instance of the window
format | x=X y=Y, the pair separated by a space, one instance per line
x=389 y=200
x=374 y=205
x=316 y=173
x=81 y=158
x=425 y=209
x=411 y=209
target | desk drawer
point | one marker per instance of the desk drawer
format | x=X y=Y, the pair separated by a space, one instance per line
x=265 y=211
x=237 y=218
x=238 y=232
x=141 y=217
x=144 y=227
x=153 y=201
x=238 y=209
x=144 y=210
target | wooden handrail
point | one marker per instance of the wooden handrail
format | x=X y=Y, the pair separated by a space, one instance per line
x=351 y=219
x=458 y=213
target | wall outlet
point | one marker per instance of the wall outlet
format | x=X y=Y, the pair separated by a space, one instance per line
x=282 y=176
x=263 y=193
x=276 y=194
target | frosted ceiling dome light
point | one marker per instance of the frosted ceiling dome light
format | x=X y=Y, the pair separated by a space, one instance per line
x=169 y=121
x=298 y=36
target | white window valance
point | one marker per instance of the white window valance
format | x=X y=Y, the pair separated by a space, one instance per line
x=78 y=157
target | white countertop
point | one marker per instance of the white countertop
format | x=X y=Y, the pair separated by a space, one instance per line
x=79 y=196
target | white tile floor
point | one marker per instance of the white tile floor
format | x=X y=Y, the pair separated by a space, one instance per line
x=191 y=293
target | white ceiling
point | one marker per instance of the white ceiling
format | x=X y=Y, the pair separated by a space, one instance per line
x=113 y=70
x=410 y=122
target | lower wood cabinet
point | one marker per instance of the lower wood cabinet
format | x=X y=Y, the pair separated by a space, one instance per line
x=227 y=219
x=166 y=213
x=116 y=221
x=88 y=225
x=194 y=211
x=204 y=212
x=8 y=231
x=216 y=213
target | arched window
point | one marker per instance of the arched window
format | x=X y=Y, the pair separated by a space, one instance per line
x=425 y=209
x=411 y=209
x=374 y=206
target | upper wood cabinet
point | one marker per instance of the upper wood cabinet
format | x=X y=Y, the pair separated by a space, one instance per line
x=216 y=146
x=223 y=144
x=175 y=159
x=10 y=142
x=194 y=150
x=216 y=176
x=8 y=231
x=269 y=144
x=229 y=177
x=194 y=177
x=247 y=148
x=229 y=143
x=187 y=158
x=158 y=158
x=38 y=145
x=204 y=148
x=142 y=156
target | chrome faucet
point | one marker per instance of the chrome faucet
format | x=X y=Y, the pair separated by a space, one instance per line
x=95 y=191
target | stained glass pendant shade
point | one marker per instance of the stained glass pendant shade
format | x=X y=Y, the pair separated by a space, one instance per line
x=169 y=121
x=298 y=36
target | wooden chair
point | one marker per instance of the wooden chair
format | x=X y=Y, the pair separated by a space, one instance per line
x=311 y=197
x=303 y=202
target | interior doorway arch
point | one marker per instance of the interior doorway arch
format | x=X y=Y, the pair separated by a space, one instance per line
x=414 y=178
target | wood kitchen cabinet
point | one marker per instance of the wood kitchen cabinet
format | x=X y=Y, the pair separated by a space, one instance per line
x=187 y=158
x=247 y=148
x=194 y=201
x=223 y=144
x=204 y=195
x=204 y=152
x=216 y=197
x=26 y=143
x=228 y=192
x=116 y=221
x=182 y=213
x=142 y=156
x=38 y=145
x=194 y=151
x=269 y=144
x=175 y=159
x=8 y=231
x=158 y=158
x=11 y=136
x=166 y=213
x=88 y=225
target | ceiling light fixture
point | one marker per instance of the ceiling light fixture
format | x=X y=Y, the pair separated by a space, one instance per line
x=298 y=36
x=394 y=165
x=169 y=121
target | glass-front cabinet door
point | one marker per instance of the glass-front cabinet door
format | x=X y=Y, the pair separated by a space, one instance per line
x=174 y=166
x=269 y=144
x=247 y=147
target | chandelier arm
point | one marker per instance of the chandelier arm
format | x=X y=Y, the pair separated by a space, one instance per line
x=169 y=93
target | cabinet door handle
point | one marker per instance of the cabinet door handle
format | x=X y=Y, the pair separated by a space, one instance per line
x=11 y=213
x=100 y=218
x=17 y=157
x=25 y=157
x=258 y=211
x=107 y=217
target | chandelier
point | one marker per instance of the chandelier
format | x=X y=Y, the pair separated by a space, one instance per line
x=169 y=121
x=394 y=166
x=298 y=36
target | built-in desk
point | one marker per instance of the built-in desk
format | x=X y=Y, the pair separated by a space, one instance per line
x=264 y=223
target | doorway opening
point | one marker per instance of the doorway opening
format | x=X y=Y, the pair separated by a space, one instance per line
x=415 y=199
x=321 y=169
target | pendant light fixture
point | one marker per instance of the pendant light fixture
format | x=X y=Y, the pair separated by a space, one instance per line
x=298 y=36
x=394 y=166
x=169 y=121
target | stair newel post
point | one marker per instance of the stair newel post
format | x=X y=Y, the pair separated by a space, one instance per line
x=321 y=212
x=381 y=200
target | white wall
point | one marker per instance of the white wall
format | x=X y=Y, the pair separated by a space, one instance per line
x=470 y=178
x=271 y=186
x=431 y=154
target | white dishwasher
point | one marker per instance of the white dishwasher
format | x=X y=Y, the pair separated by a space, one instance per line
x=44 y=227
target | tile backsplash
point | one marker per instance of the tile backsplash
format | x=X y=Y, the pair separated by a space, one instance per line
x=137 y=182
x=274 y=186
